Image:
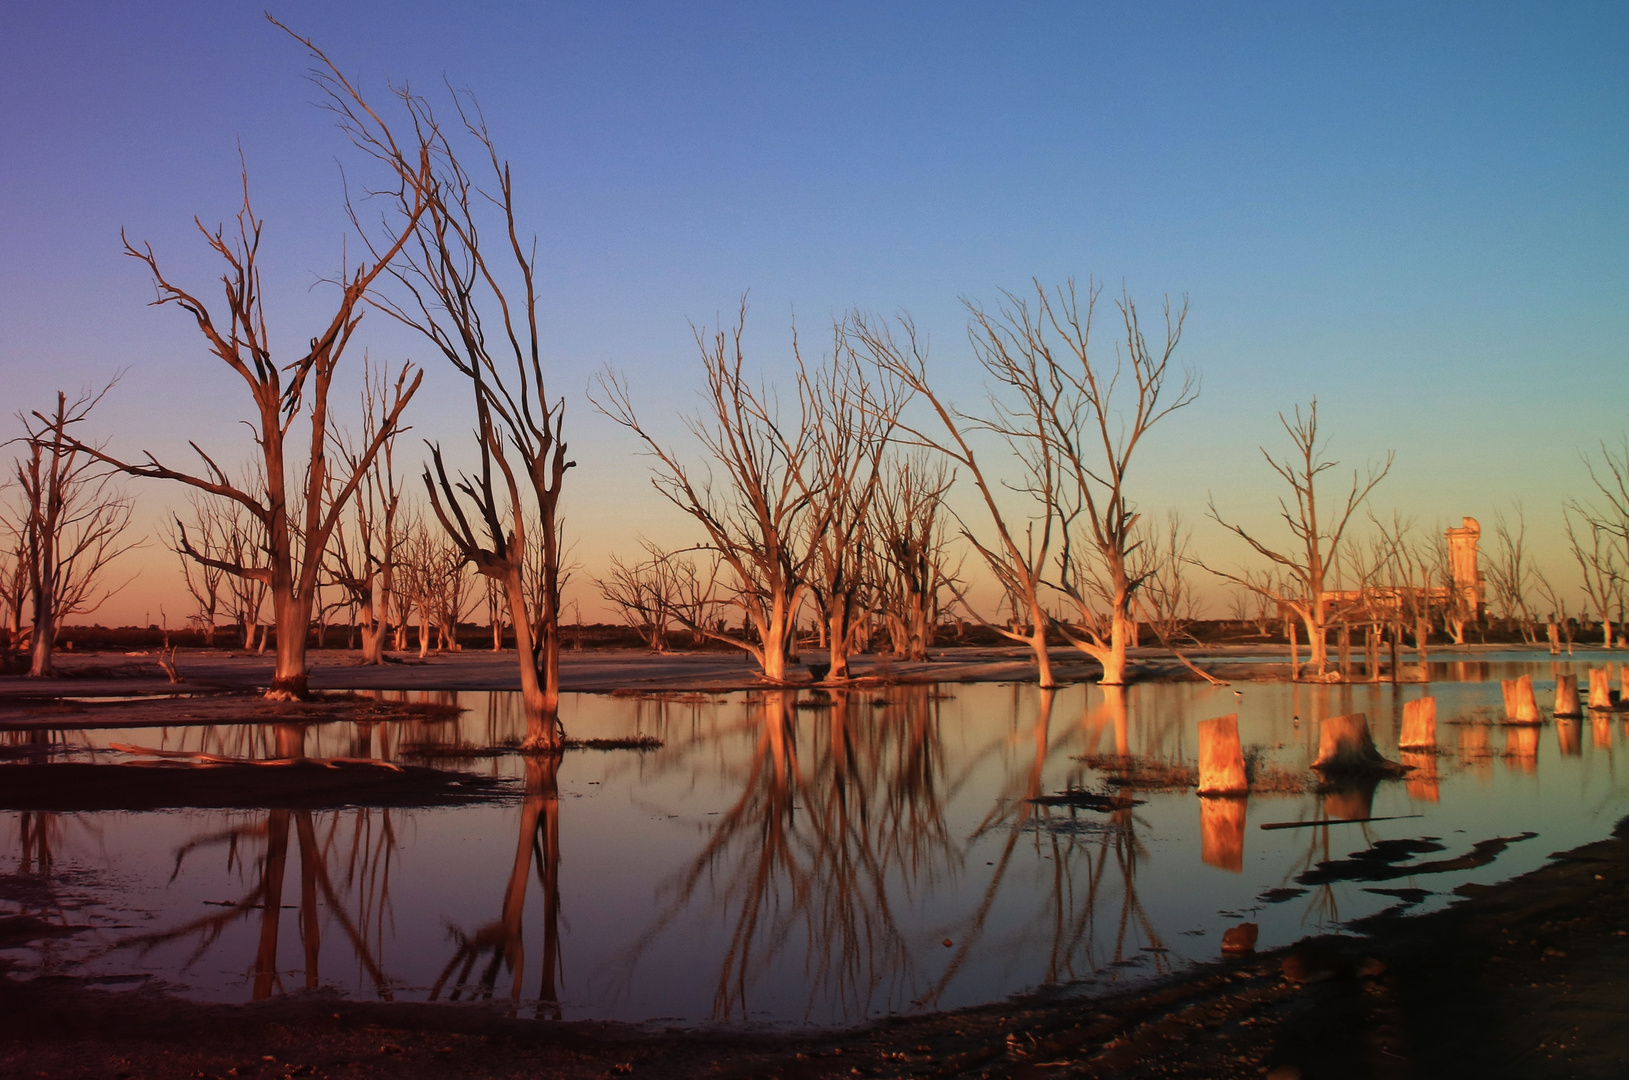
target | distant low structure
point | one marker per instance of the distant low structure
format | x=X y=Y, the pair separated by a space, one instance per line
x=1467 y=593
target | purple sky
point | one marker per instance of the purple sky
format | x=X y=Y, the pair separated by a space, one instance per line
x=1415 y=211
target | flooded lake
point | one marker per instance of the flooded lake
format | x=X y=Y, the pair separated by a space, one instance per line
x=793 y=858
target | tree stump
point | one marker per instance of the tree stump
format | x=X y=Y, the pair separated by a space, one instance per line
x=1600 y=688
x=1345 y=747
x=1221 y=758
x=1521 y=707
x=1221 y=833
x=1419 y=724
x=1566 y=696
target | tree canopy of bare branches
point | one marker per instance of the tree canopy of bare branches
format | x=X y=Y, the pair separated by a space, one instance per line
x=473 y=295
x=1315 y=541
x=1600 y=538
x=760 y=517
x=1073 y=423
x=299 y=507
x=69 y=520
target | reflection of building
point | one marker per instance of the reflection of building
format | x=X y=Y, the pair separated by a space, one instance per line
x=1466 y=593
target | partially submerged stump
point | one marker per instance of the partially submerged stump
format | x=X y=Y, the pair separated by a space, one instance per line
x=1221 y=758
x=1345 y=747
x=1521 y=707
x=1221 y=833
x=1419 y=724
x=1600 y=688
x=1566 y=696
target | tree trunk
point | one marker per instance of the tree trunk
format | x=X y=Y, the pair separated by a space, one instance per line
x=45 y=635
x=292 y=617
x=543 y=729
x=1113 y=659
x=836 y=631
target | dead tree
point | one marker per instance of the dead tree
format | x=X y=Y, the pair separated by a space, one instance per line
x=909 y=548
x=301 y=506
x=362 y=557
x=1594 y=545
x=203 y=581
x=643 y=593
x=475 y=301
x=1601 y=542
x=70 y=519
x=759 y=519
x=1510 y=573
x=1018 y=560
x=852 y=417
x=1056 y=408
x=1315 y=542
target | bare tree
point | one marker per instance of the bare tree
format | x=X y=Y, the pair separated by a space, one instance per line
x=853 y=417
x=1056 y=409
x=1510 y=574
x=658 y=590
x=760 y=518
x=1601 y=542
x=1167 y=599
x=299 y=508
x=70 y=520
x=909 y=549
x=476 y=303
x=362 y=556
x=203 y=581
x=1316 y=542
x=1594 y=545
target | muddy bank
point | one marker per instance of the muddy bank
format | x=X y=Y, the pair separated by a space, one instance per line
x=1524 y=979
x=71 y=787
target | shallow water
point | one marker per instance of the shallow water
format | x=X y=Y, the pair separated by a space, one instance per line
x=791 y=859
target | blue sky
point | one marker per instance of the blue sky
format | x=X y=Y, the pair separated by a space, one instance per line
x=1415 y=211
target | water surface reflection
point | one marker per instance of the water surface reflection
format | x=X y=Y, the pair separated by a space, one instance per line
x=797 y=857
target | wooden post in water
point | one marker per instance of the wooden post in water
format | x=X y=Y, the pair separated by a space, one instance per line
x=1221 y=758
x=1521 y=707
x=1371 y=653
x=1555 y=638
x=1566 y=696
x=1396 y=664
x=1600 y=688
x=1419 y=724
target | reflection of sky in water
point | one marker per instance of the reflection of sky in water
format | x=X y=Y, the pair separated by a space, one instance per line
x=774 y=870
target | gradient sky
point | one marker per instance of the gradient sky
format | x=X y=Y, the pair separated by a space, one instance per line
x=1415 y=211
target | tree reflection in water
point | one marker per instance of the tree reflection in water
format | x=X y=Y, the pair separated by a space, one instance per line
x=841 y=825
x=344 y=860
x=500 y=942
x=1092 y=861
x=838 y=820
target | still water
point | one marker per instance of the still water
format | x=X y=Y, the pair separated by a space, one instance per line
x=793 y=859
